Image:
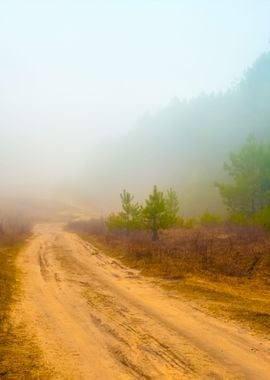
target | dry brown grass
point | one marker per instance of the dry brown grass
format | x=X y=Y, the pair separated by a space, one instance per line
x=224 y=268
x=19 y=356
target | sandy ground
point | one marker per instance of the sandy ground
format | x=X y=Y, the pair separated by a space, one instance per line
x=95 y=319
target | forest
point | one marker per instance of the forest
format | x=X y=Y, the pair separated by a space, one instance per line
x=184 y=145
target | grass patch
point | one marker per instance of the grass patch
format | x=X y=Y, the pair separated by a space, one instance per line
x=19 y=355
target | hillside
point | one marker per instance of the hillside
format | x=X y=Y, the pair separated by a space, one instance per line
x=185 y=144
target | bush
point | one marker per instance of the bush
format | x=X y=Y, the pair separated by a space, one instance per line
x=238 y=218
x=189 y=223
x=209 y=219
x=263 y=218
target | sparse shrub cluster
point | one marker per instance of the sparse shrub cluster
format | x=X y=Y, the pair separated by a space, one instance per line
x=159 y=212
x=210 y=219
x=227 y=249
x=263 y=218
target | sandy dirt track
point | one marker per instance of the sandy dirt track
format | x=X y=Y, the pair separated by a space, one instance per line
x=95 y=319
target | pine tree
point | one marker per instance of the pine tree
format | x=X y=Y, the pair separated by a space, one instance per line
x=129 y=218
x=160 y=212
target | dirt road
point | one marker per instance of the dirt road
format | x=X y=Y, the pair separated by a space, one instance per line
x=95 y=319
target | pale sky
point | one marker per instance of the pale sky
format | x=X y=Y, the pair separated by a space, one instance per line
x=73 y=71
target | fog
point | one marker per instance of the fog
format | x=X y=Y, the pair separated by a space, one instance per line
x=97 y=96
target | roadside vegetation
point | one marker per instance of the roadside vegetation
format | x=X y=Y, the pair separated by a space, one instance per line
x=19 y=356
x=221 y=261
x=160 y=212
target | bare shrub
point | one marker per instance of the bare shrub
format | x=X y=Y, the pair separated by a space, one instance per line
x=13 y=228
x=231 y=250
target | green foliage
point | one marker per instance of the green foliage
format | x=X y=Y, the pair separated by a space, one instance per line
x=238 y=218
x=155 y=212
x=189 y=223
x=249 y=169
x=179 y=222
x=130 y=218
x=209 y=219
x=263 y=218
x=160 y=211
x=172 y=208
x=115 y=222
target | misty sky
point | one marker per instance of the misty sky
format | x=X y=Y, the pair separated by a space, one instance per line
x=72 y=72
